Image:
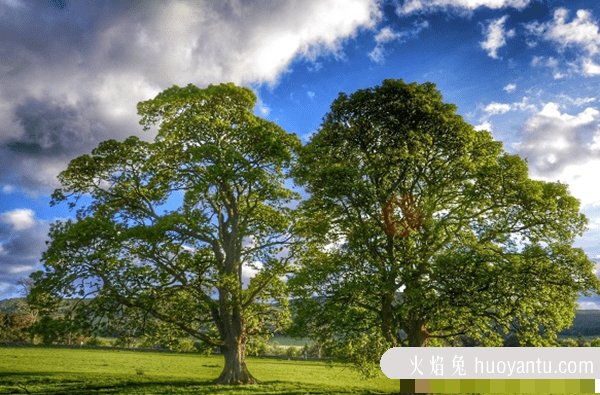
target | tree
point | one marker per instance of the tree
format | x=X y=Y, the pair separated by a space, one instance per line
x=419 y=226
x=166 y=226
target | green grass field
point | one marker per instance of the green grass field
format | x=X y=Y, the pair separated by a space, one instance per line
x=88 y=371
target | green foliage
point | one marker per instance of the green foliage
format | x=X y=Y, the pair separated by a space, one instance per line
x=223 y=169
x=362 y=352
x=569 y=343
x=491 y=252
x=53 y=330
x=595 y=342
x=293 y=351
x=96 y=342
x=581 y=341
x=257 y=346
x=14 y=327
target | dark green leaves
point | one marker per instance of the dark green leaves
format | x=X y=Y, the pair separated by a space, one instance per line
x=493 y=251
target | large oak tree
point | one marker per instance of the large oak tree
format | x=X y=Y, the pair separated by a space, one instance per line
x=418 y=226
x=164 y=227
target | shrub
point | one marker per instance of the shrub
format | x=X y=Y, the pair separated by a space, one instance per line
x=569 y=343
x=581 y=341
x=293 y=351
x=96 y=341
x=595 y=342
x=276 y=350
x=183 y=345
x=257 y=347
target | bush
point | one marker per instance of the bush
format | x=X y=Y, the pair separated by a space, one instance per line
x=293 y=351
x=96 y=341
x=569 y=343
x=595 y=342
x=276 y=350
x=581 y=341
x=257 y=347
x=183 y=345
x=203 y=348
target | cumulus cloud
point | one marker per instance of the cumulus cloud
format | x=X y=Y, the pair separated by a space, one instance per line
x=484 y=126
x=387 y=34
x=510 y=88
x=423 y=6
x=495 y=36
x=22 y=241
x=590 y=68
x=76 y=78
x=562 y=146
x=581 y=34
x=497 y=108
x=19 y=219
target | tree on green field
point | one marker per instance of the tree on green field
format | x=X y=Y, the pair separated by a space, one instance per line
x=164 y=227
x=418 y=226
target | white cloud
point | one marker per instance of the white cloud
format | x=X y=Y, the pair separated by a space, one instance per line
x=19 y=219
x=495 y=36
x=497 y=108
x=411 y=6
x=562 y=146
x=510 y=88
x=523 y=105
x=86 y=86
x=581 y=31
x=310 y=94
x=576 y=101
x=590 y=68
x=595 y=224
x=262 y=108
x=484 y=126
x=581 y=178
x=585 y=305
x=387 y=34
x=582 y=34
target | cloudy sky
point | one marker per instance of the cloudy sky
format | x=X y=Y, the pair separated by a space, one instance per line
x=72 y=72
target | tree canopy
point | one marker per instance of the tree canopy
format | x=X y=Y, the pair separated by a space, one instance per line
x=417 y=228
x=420 y=227
x=170 y=223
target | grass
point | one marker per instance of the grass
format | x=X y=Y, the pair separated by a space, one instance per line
x=85 y=371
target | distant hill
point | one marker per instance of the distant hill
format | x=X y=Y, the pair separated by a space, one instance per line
x=586 y=322
x=11 y=305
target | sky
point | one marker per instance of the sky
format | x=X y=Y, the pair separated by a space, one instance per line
x=72 y=72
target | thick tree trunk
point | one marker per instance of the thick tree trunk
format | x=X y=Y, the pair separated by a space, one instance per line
x=235 y=370
x=232 y=329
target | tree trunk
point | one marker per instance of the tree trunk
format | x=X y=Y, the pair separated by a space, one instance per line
x=232 y=329
x=235 y=370
x=418 y=334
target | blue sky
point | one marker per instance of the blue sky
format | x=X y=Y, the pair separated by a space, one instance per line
x=72 y=72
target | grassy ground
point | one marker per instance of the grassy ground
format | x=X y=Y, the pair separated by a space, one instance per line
x=85 y=371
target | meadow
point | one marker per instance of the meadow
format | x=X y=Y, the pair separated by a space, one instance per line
x=38 y=370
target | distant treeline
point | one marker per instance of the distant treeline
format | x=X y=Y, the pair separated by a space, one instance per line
x=586 y=322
